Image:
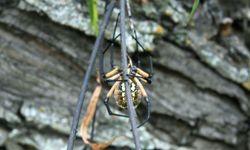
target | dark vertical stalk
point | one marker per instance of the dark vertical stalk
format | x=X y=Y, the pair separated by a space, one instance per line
x=131 y=110
x=84 y=87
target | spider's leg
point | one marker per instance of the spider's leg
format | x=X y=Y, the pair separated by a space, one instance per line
x=149 y=55
x=138 y=43
x=139 y=73
x=145 y=96
x=111 y=44
x=151 y=68
x=111 y=75
x=148 y=112
x=138 y=59
x=137 y=53
x=114 y=77
x=106 y=101
x=101 y=56
x=112 y=56
x=110 y=111
x=139 y=77
x=113 y=41
x=142 y=73
x=145 y=80
x=134 y=33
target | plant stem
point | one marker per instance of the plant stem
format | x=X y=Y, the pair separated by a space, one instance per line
x=86 y=78
x=131 y=110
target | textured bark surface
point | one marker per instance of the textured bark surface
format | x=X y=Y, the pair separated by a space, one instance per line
x=201 y=85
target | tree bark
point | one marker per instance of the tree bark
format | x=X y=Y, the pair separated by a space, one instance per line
x=200 y=90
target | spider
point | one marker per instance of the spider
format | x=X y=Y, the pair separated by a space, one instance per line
x=136 y=76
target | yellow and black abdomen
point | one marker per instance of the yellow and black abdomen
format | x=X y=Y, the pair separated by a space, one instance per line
x=120 y=95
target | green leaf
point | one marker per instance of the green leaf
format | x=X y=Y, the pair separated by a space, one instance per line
x=195 y=6
x=92 y=4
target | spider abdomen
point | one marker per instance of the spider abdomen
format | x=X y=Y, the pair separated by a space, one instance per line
x=120 y=95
